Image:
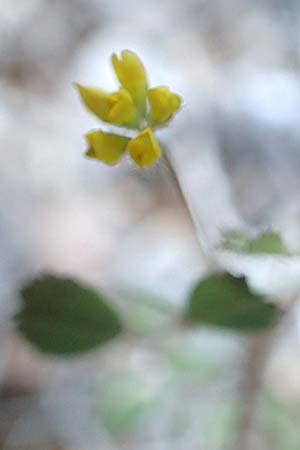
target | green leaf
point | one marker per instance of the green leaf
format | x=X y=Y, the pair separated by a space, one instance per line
x=62 y=317
x=267 y=242
x=226 y=301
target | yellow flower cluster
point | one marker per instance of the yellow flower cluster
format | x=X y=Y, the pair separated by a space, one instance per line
x=133 y=106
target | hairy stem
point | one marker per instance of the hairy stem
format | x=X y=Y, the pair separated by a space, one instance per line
x=207 y=252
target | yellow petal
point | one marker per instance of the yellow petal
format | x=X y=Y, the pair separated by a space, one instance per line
x=96 y=100
x=144 y=148
x=163 y=104
x=122 y=110
x=132 y=76
x=107 y=147
x=90 y=152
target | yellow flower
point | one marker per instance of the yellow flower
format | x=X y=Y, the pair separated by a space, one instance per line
x=144 y=148
x=121 y=109
x=107 y=147
x=132 y=76
x=132 y=106
x=96 y=100
x=116 y=108
x=163 y=104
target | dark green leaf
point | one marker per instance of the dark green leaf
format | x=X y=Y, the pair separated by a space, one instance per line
x=62 y=317
x=226 y=301
x=267 y=242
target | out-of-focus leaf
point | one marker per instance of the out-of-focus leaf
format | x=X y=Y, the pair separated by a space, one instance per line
x=189 y=362
x=226 y=301
x=62 y=317
x=267 y=242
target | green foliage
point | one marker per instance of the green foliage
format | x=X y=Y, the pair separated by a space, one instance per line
x=280 y=416
x=226 y=301
x=221 y=426
x=124 y=400
x=62 y=317
x=190 y=362
x=267 y=242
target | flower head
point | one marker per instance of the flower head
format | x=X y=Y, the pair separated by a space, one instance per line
x=133 y=106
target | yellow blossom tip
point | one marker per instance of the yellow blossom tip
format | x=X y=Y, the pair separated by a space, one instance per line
x=132 y=75
x=107 y=147
x=95 y=99
x=144 y=149
x=163 y=104
x=116 y=108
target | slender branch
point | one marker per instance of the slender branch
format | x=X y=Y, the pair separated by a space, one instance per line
x=259 y=346
x=257 y=354
x=207 y=252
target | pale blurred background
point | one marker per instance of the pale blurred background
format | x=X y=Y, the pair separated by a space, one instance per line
x=236 y=144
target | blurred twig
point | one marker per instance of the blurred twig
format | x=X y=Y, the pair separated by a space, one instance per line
x=257 y=354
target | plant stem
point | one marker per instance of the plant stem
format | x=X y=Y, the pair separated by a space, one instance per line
x=207 y=252
x=259 y=346
x=257 y=353
x=259 y=350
